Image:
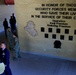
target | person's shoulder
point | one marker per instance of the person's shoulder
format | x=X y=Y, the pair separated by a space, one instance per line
x=6 y=50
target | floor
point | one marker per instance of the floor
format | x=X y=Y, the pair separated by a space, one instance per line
x=39 y=65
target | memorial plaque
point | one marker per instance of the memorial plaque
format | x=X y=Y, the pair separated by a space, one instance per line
x=50 y=30
x=54 y=36
x=62 y=37
x=42 y=29
x=71 y=38
x=57 y=30
x=66 y=31
x=46 y=35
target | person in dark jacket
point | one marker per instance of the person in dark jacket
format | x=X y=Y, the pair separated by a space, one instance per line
x=14 y=19
x=12 y=22
x=5 y=58
x=5 y=24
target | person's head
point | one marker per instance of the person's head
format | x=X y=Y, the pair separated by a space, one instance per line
x=9 y=29
x=3 y=45
x=12 y=14
x=5 y=19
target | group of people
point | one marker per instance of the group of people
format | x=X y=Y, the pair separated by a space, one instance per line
x=11 y=35
x=12 y=22
x=13 y=44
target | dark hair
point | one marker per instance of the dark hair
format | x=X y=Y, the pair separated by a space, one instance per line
x=12 y=13
x=5 y=18
x=4 y=43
